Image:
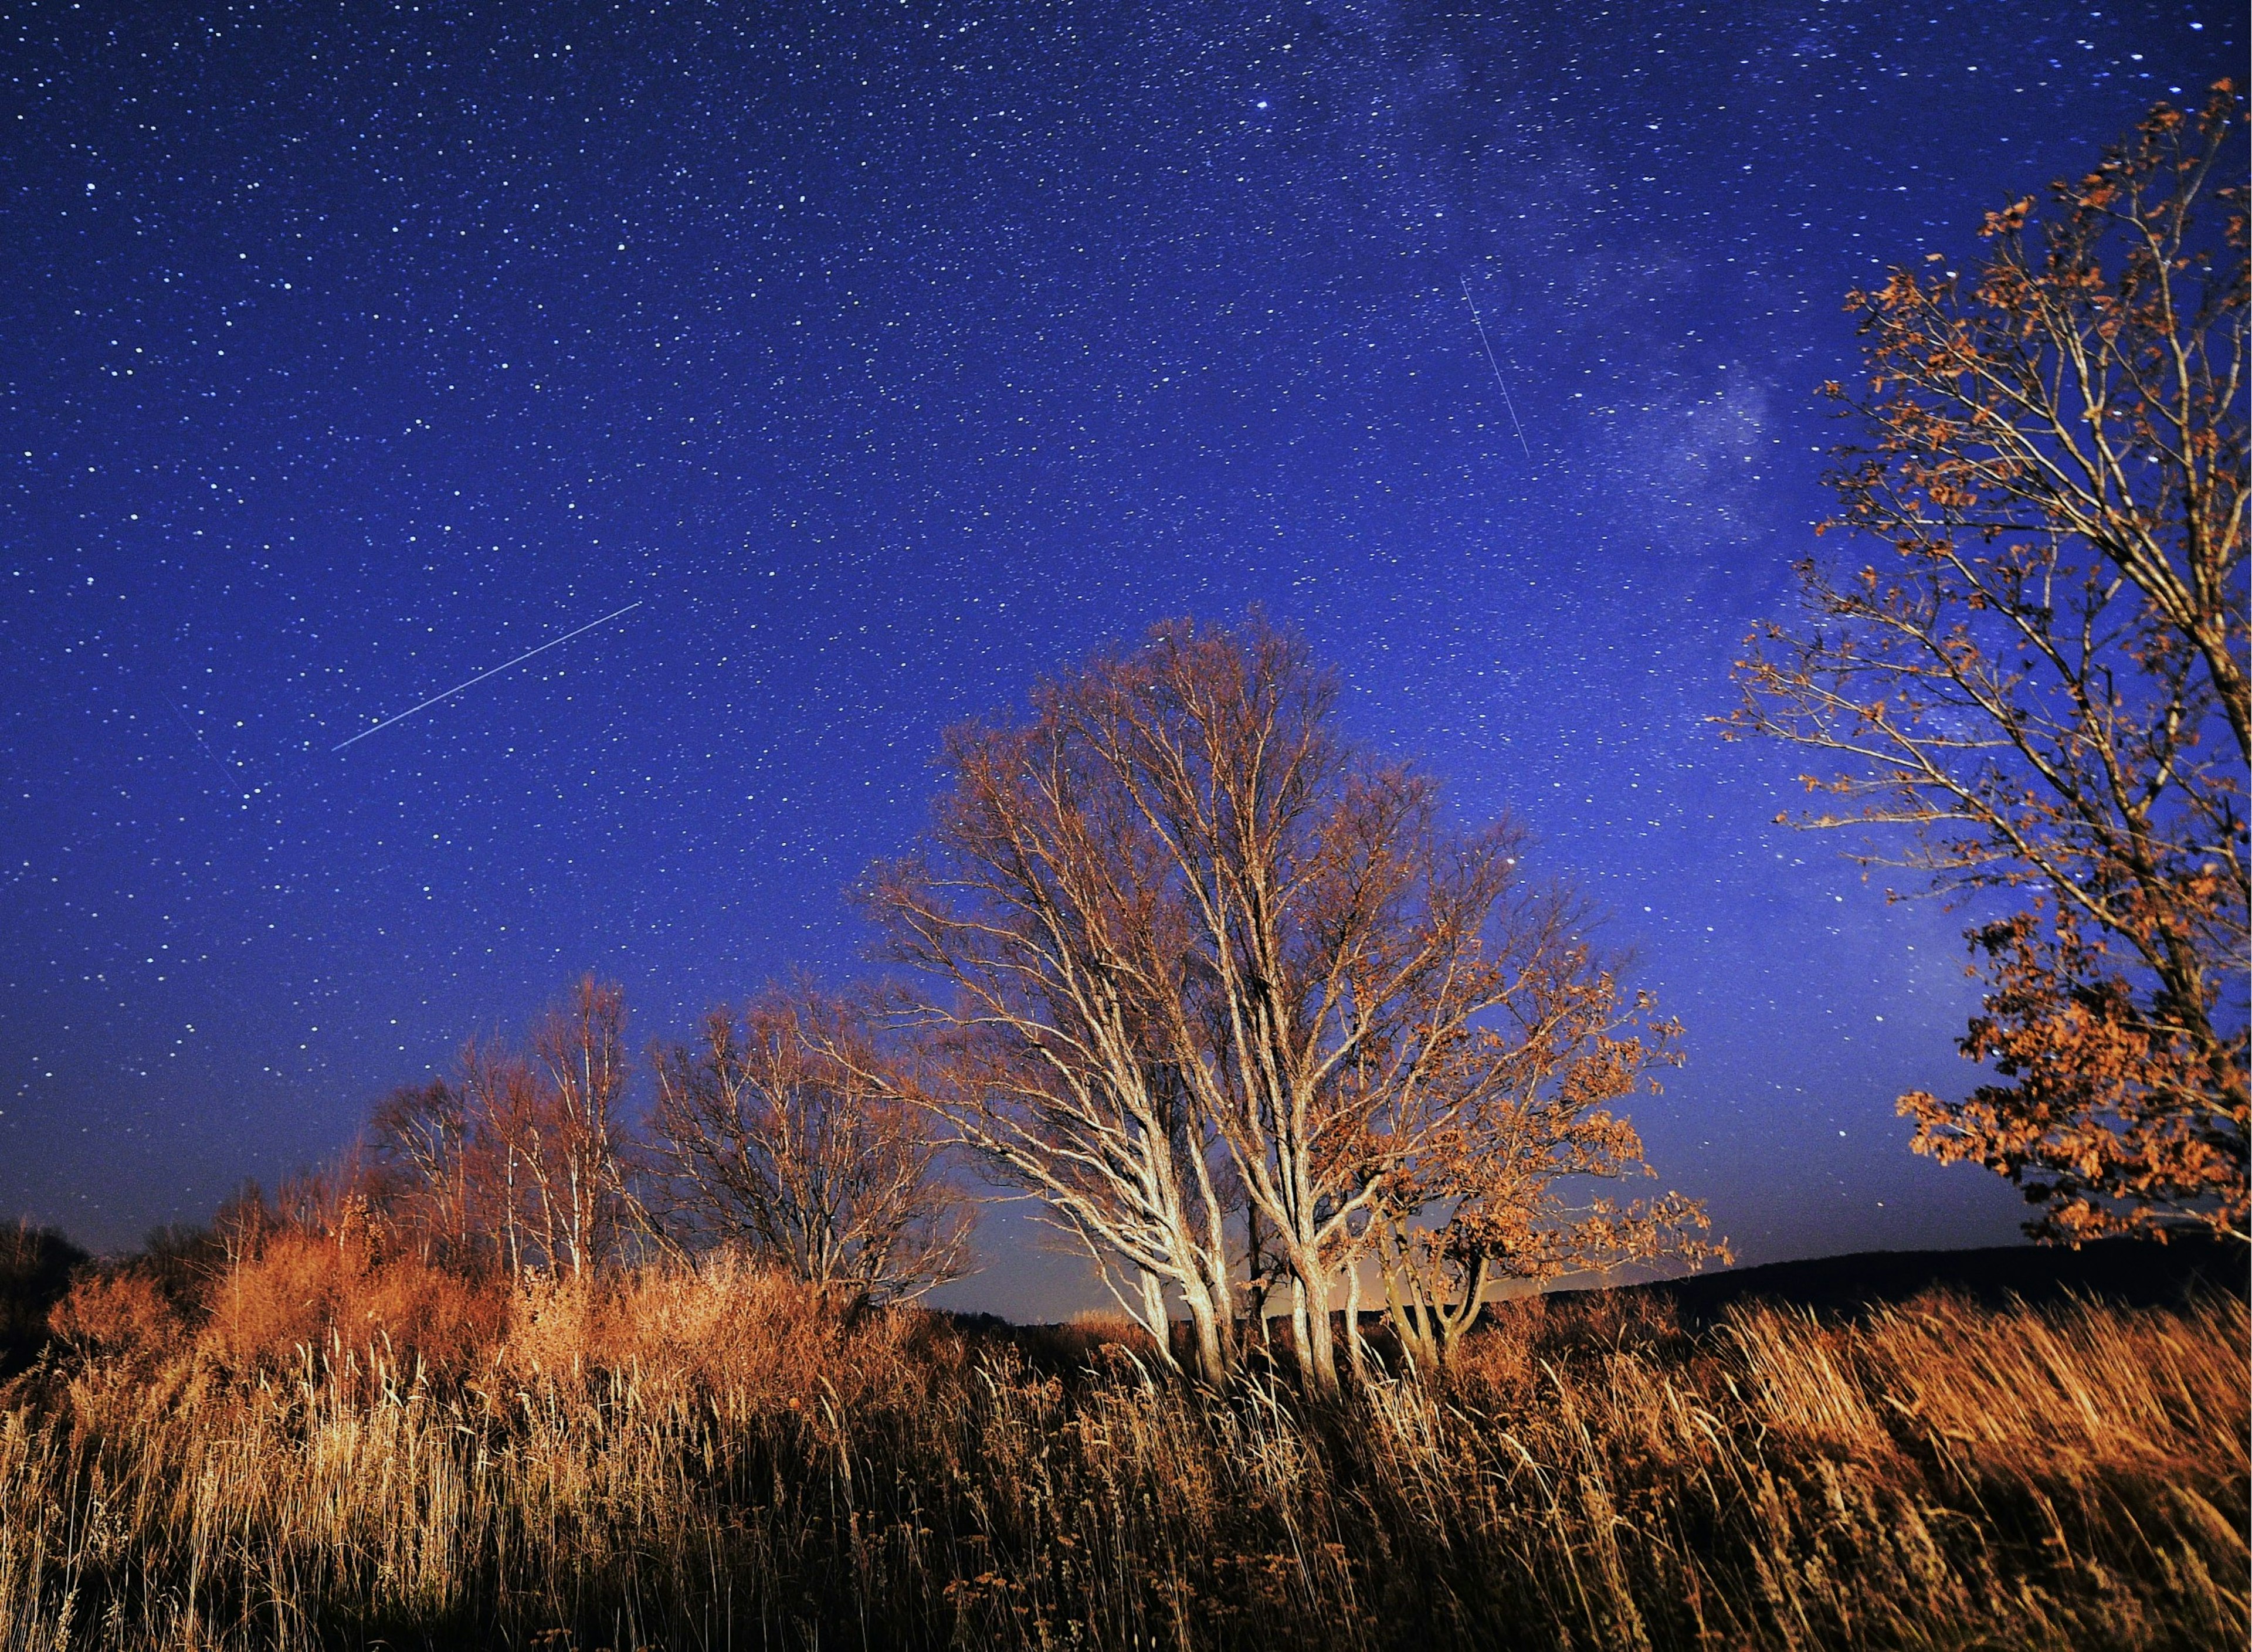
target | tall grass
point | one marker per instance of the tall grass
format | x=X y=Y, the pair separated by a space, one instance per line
x=707 y=1459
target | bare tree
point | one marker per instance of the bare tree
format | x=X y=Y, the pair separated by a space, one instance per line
x=1199 y=949
x=1034 y=911
x=776 y=1133
x=421 y=1134
x=503 y=1142
x=2046 y=683
x=1328 y=967
x=580 y=1068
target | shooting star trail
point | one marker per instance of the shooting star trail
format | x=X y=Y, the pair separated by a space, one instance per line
x=1479 y=322
x=482 y=676
x=233 y=783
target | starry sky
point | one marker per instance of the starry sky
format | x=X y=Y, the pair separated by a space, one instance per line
x=889 y=357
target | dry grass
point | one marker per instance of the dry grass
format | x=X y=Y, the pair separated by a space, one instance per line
x=349 y=1455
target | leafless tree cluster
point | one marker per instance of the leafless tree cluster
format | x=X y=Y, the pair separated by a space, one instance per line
x=1220 y=989
x=760 y=1140
x=523 y=1159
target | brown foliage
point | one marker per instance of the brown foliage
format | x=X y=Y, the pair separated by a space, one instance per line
x=2047 y=684
x=721 y=1324
x=304 y=1293
x=122 y=1311
x=2102 y=1122
x=1498 y=1193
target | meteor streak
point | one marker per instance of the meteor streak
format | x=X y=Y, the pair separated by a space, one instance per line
x=482 y=676
x=1479 y=322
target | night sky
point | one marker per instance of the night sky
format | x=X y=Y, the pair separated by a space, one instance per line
x=890 y=357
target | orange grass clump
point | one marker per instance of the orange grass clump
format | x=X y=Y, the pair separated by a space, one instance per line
x=347 y=1452
x=302 y=1290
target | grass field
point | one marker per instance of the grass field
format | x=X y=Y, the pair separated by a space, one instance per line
x=314 y=1451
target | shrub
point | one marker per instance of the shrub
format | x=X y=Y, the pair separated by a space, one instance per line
x=118 y=1312
x=299 y=1294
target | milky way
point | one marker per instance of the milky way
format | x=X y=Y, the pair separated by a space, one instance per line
x=890 y=357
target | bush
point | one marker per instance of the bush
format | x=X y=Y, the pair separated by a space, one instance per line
x=300 y=1293
x=723 y=1324
x=119 y=1312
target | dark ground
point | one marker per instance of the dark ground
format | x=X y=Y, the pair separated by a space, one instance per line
x=2130 y=1273
x=2133 y=1272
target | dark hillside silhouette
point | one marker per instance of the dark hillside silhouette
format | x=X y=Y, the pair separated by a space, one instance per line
x=2127 y=1273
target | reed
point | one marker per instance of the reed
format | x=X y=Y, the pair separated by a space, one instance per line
x=709 y=1458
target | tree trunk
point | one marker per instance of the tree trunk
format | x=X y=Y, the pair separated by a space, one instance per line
x=572 y=1232
x=1211 y=1357
x=1321 y=1350
x=1411 y=1316
x=1356 y=1352
x=1455 y=1324
x=1301 y=1338
x=1154 y=1319
x=508 y=1193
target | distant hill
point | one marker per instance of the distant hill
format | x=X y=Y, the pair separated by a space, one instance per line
x=2133 y=1272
